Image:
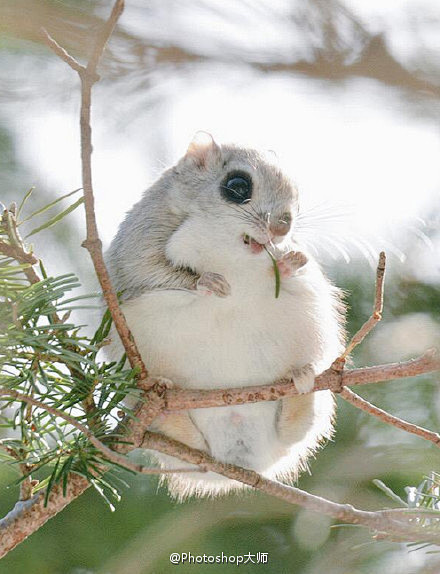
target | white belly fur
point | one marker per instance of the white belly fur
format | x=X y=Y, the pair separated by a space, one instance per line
x=248 y=338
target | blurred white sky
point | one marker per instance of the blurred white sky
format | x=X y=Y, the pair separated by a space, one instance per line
x=354 y=148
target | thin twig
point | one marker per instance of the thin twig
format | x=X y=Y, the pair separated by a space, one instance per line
x=108 y=453
x=104 y=35
x=386 y=417
x=26 y=483
x=26 y=490
x=18 y=255
x=15 y=248
x=375 y=317
x=9 y=450
x=60 y=51
x=92 y=243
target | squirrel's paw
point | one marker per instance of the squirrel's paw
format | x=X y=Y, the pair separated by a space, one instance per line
x=303 y=378
x=213 y=283
x=289 y=264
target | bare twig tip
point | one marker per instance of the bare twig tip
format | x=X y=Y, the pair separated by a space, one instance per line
x=433 y=352
x=433 y=355
x=60 y=51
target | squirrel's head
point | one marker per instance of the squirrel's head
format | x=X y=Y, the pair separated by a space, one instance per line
x=238 y=188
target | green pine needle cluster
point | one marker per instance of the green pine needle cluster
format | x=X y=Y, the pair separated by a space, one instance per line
x=45 y=355
x=426 y=497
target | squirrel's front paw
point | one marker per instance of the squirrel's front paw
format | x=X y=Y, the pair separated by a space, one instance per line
x=213 y=283
x=289 y=264
x=303 y=378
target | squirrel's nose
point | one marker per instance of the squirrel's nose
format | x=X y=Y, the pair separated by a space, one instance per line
x=281 y=226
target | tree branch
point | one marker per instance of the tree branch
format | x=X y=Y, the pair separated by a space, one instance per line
x=92 y=243
x=176 y=400
x=395 y=524
x=28 y=516
x=386 y=417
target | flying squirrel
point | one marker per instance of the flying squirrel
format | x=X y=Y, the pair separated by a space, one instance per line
x=218 y=293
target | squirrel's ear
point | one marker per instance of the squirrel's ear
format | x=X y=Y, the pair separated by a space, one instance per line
x=203 y=150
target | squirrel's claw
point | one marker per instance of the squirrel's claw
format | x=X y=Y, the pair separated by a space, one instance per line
x=289 y=264
x=213 y=283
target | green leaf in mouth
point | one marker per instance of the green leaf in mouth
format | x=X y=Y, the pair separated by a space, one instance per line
x=277 y=273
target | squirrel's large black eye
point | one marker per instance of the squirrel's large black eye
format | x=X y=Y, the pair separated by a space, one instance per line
x=237 y=187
